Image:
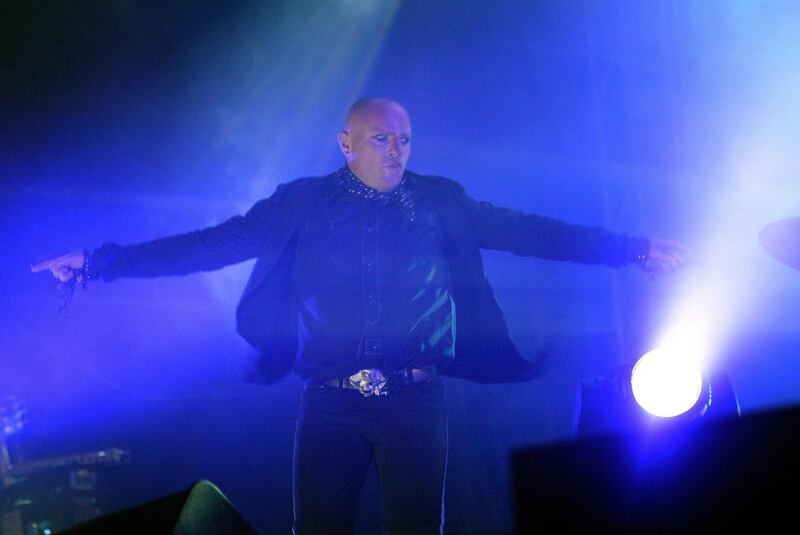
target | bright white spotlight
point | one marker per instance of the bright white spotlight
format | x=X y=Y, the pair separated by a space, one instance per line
x=666 y=384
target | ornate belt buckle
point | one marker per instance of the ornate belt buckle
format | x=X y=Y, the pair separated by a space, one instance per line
x=369 y=382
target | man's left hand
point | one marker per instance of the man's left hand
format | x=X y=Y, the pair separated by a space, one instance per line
x=666 y=256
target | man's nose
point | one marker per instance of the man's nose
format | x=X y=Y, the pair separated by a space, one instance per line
x=393 y=147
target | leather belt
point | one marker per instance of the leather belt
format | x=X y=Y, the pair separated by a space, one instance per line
x=374 y=382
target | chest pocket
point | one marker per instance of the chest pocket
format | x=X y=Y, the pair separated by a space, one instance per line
x=425 y=230
x=330 y=239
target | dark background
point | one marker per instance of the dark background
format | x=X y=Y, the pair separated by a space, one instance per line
x=128 y=120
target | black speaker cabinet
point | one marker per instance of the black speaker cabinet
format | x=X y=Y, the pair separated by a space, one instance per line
x=201 y=509
x=715 y=475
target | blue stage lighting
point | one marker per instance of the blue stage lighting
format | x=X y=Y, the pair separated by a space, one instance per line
x=666 y=384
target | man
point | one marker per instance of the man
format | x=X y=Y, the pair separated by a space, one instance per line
x=369 y=284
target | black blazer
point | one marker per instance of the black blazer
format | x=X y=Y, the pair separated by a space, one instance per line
x=268 y=232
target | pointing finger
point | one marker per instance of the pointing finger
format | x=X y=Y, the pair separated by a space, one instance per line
x=41 y=266
x=676 y=245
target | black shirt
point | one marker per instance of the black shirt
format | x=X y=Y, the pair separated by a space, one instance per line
x=371 y=284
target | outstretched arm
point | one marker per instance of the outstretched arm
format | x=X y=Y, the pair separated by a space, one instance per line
x=534 y=235
x=235 y=240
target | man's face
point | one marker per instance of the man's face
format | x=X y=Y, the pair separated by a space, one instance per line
x=377 y=143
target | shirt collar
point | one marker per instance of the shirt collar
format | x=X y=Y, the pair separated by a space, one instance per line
x=353 y=185
x=350 y=183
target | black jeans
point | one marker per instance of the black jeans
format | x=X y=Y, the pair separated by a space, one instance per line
x=339 y=432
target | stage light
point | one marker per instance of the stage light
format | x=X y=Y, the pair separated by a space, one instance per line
x=666 y=384
x=662 y=388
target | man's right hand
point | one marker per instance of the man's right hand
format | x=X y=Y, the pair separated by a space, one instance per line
x=64 y=267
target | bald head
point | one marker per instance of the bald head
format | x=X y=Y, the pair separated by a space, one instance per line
x=376 y=142
x=367 y=105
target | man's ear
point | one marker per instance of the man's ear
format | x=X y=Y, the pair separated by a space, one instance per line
x=344 y=142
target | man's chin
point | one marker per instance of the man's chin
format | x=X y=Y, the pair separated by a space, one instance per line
x=392 y=176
